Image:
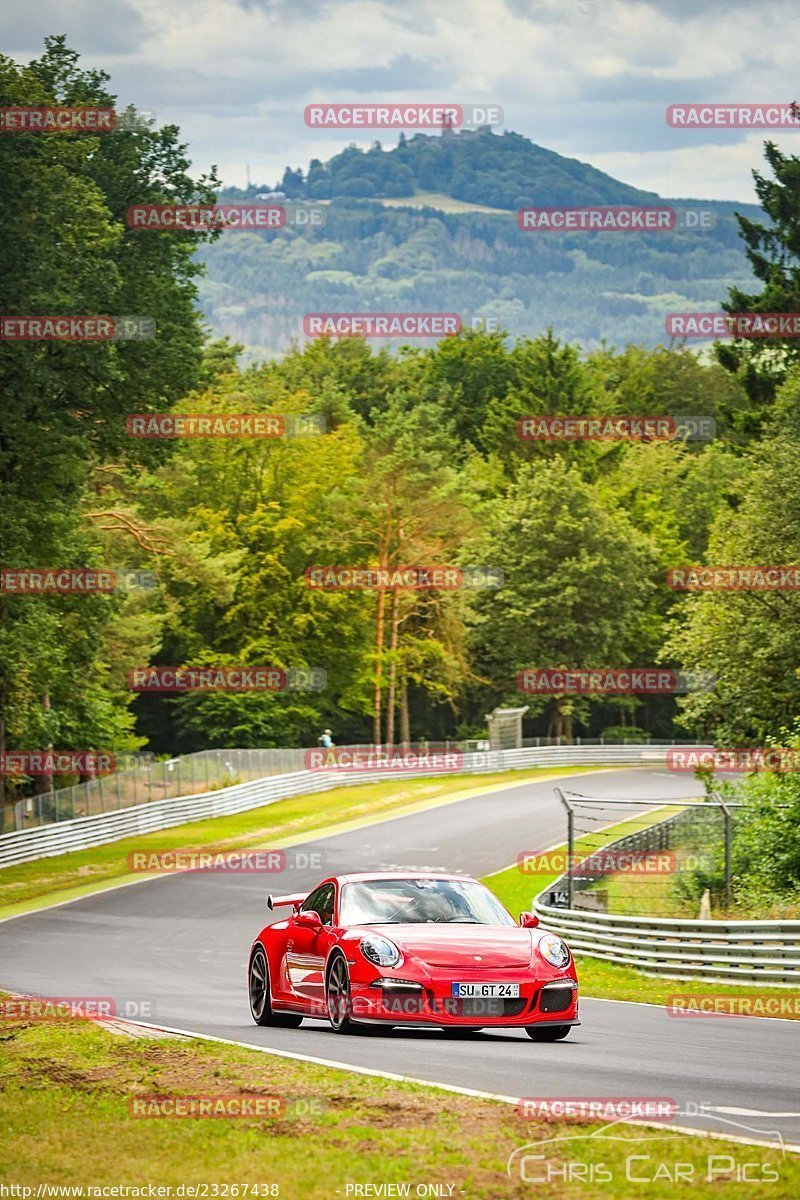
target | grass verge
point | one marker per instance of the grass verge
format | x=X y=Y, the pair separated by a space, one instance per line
x=66 y=1091
x=64 y=876
x=449 y=204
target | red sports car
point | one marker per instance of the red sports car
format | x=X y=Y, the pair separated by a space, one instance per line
x=411 y=949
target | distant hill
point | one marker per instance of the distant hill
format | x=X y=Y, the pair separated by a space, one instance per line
x=374 y=257
x=501 y=170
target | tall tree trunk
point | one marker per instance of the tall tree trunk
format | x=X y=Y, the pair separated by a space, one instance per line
x=560 y=723
x=3 y=704
x=2 y=756
x=405 y=728
x=44 y=783
x=376 y=696
x=392 y=693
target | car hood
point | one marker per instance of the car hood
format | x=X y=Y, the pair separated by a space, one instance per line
x=479 y=947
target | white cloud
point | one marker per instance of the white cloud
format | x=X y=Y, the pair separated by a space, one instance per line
x=714 y=172
x=589 y=79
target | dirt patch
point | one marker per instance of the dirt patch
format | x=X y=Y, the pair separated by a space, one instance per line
x=39 y=1072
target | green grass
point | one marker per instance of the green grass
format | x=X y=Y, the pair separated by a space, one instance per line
x=444 y=203
x=65 y=1092
x=81 y=872
x=612 y=981
x=646 y=895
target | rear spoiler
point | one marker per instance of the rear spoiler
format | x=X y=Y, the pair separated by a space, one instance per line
x=280 y=901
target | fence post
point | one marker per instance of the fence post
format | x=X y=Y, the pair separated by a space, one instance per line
x=570 y=841
x=726 y=813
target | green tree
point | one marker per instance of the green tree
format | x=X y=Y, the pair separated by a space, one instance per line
x=242 y=520
x=549 y=378
x=774 y=254
x=748 y=639
x=415 y=509
x=67 y=250
x=577 y=590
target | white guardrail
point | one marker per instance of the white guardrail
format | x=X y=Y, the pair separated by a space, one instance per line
x=728 y=952
x=44 y=841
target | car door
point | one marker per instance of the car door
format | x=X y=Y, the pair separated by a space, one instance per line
x=307 y=947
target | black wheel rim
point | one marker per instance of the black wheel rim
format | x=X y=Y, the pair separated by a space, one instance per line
x=258 y=984
x=338 y=994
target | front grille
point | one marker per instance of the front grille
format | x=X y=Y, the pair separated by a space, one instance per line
x=401 y=1006
x=491 y=1006
x=555 y=999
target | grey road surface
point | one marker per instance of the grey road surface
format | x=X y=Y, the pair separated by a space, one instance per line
x=175 y=950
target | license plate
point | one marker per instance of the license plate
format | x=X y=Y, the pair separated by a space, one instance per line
x=501 y=991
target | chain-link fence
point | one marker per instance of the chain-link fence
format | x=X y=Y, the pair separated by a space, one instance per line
x=643 y=740
x=140 y=779
x=147 y=781
x=144 y=780
x=637 y=871
x=643 y=857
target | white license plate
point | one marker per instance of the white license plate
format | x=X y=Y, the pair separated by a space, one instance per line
x=503 y=991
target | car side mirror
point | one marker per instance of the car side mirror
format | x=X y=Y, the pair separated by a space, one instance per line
x=309 y=918
x=528 y=920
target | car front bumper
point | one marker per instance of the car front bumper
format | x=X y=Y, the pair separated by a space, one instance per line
x=540 y=1002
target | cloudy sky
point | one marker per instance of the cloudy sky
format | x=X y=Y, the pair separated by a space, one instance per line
x=591 y=80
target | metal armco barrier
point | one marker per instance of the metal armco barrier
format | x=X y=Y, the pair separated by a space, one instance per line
x=78 y=834
x=749 y=952
x=754 y=952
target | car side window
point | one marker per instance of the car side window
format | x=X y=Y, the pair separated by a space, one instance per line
x=321 y=902
x=327 y=904
x=311 y=902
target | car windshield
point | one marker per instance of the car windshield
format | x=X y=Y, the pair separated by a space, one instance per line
x=418 y=901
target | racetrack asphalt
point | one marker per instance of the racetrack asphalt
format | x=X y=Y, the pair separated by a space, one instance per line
x=174 y=950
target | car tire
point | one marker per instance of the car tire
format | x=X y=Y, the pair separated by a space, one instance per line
x=337 y=996
x=258 y=991
x=547 y=1033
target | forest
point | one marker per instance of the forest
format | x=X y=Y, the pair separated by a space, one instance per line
x=387 y=459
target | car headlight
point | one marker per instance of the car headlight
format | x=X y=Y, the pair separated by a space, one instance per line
x=380 y=951
x=553 y=950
